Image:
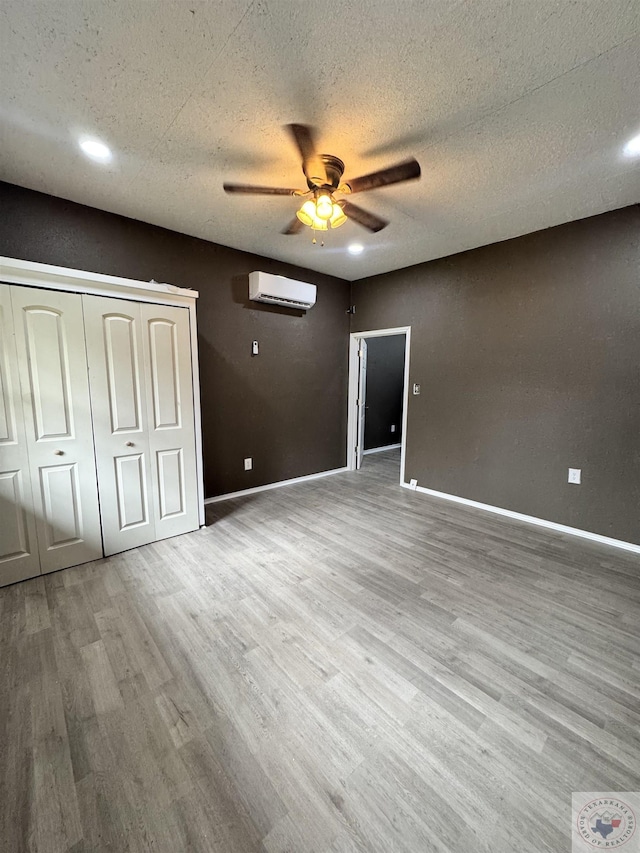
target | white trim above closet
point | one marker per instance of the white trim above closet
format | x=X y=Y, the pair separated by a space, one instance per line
x=30 y=273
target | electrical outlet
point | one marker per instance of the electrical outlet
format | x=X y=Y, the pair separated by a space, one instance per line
x=393 y=427
x=248 y=463
x=413 y=484
x=575 y=475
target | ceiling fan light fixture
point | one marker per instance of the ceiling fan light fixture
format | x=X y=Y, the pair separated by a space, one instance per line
x=307 y=215
x=321 y=213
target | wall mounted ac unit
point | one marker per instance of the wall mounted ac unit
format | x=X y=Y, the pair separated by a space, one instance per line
x=278 y=290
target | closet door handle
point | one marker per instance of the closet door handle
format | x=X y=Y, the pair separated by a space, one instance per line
x=58 y=452
x=129 y=444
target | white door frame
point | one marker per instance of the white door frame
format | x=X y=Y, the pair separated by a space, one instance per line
x=352 y=411
x=362 y=400
x=32 y=274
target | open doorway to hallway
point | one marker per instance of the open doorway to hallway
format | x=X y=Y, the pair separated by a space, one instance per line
x=378 y=390
x=384 y=388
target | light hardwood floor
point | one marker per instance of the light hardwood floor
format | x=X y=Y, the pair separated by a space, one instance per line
x=333 y=667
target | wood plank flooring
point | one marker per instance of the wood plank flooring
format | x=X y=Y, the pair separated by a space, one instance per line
x=333 y=667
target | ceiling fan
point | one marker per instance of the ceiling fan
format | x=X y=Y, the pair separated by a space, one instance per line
x=323 y=173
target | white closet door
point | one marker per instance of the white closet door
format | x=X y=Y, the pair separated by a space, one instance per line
x=167 y=350
x=19 y=557
x=118 y=396
x=53 y=375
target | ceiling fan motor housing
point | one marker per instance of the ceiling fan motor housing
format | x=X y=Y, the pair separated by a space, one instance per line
x=333 y=169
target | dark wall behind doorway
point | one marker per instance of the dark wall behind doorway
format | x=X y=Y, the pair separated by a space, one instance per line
x=385 y=387
x=265 y=407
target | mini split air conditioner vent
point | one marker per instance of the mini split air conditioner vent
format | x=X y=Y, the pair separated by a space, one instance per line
x=280 y=300
x=278 y=290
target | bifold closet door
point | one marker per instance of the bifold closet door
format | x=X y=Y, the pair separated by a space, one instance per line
x=19 y=557
x=50 y=346
x=116 y=366
x=139 y=359
x=172 y=438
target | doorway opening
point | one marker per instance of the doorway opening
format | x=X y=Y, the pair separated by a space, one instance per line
x=378 y=394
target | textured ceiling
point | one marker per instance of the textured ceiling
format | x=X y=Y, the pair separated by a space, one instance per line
x=517 y=110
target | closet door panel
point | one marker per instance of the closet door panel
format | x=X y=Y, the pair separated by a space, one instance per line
x=19 y=557
x=122 y=367
x=164 y=372
x=171 y=484
x=131 y=490
x=51 y=354
x=47 y=347
x=60 y=488
x=167 y=348
x=118 y=396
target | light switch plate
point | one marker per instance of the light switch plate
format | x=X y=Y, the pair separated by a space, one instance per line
x=248 y=463
x=575 y=475
x=416 y=388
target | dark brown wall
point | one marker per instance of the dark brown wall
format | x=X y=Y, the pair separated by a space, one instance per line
x=528 y=354
x=286 y=407
x=385 y=385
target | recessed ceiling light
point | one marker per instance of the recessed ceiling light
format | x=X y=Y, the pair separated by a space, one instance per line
x=95 y=149
x=355 y=248
x=632 y=148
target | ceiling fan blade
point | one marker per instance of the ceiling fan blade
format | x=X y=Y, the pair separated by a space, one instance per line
x=406 y=171
x=312 y=164
x=251 y=189
x=294 y=227
x=363 y=217
x=303 y=135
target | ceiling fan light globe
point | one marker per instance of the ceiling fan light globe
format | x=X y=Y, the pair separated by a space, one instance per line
x=338 y=217
x=324 y=206
x=307 y=213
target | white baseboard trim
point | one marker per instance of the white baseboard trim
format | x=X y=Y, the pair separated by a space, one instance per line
x=256 y=489
x=529 y=519
x=381 y=449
